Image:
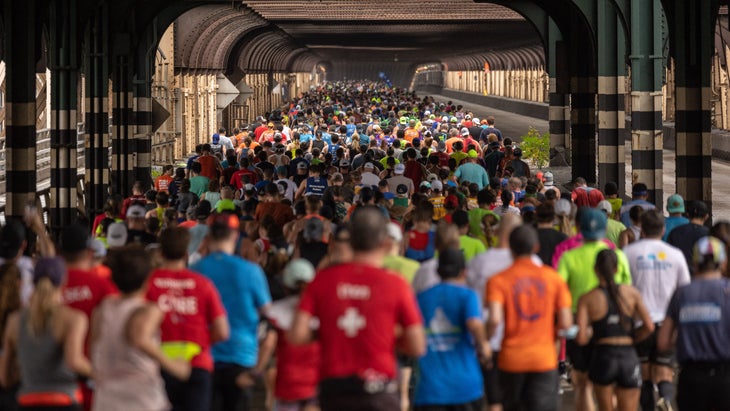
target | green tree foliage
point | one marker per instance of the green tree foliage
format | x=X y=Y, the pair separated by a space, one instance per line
x=536 y=148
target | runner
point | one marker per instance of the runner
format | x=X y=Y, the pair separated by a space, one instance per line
x=528 y=298
x=605 y=319
x=359 y=306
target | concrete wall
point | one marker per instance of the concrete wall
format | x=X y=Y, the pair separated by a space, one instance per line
x=522 y=107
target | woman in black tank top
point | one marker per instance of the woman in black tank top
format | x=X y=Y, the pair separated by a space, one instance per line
x=605 y=319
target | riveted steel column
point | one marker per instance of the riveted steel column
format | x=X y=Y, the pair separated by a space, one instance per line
x=63 y=63
x=142 y=116
x=122 y=121
x=559 y=100
x=611 y=91
x=97 y=112
x=646 y=97
x=20 y=112
x=583 y=127
x=693 y=27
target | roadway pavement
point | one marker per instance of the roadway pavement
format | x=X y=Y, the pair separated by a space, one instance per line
x=515 y=125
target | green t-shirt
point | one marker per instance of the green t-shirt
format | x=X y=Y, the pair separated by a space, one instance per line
x=475 y=223
x=614 y=229
x=404 y=266
x=576 y=268
x=471 y=247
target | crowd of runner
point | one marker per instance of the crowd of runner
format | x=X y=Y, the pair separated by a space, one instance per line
x=367 y=249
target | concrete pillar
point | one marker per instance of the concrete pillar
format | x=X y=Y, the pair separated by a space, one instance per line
x=64 y=65
x=611 y=91
x=692 y=36
x=97 y=113
x=122 y=175
x=20 y=111
x=646 y=97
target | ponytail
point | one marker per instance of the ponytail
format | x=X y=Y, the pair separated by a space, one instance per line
x=41 y=306
x=606 y=267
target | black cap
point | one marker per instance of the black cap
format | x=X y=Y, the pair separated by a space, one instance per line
x=401 y=189
x=697 y=209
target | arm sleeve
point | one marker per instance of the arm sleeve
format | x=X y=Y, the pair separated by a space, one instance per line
x=563 y=270
x=262 y=296
x=457 y=173
x=473 y=310
x=409 y=312
x=494 y=291
x=307 y=302
x=215 y=305
x=564 y=299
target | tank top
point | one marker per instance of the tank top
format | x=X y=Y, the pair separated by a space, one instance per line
x=316 y=186
x=121 y=369
x=610 y=325
x=42 y=364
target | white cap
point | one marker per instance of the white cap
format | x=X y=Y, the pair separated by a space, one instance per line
x=395 y=232
x=298 y=271
x=605 y=206
x=116 y=235
x=549 y=181
x=464 y=131
x=399 y=169
x=136 y=211
x=369 y=166
x=437 y=185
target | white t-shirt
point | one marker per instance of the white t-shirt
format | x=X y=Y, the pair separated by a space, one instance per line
x=291 y=188
x=483 y=267
x=426 y=276
x=226 y=143
x=370 y=179
x=657 y=270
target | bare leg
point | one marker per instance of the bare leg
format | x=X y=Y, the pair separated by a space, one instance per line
x=604 y=397
x=628 y=399
x=583 y=388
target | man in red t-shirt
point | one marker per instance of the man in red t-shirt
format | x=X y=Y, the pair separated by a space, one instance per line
x=194 y=320
x=360 y=306
x=84 y=289
x=137 y=197
x=237 y=177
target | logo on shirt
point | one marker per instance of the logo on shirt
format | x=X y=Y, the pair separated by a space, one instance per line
x=347 y=291
x=178 y=304
x=75 y=294
x=700 y=313
x=351 y=322
x=529 y=298
x=653 y=261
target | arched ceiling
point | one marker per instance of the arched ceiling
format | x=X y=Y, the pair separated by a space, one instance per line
x=295 y=35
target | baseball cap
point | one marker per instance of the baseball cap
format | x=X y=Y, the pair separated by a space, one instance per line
x=395 y=232
x=696 y=209
x=369 y=166
x=593 y=224
x=562 y=207
x=298 y=270
x=425 y=184
x=226 y=220
x=12 y=235
x=639 y=189
x=437 y=185
x=53 y=268
x=451 y=201
x=441 y=146
x=344 y=163
x=517 y=152
x=549 y=181
x=675 y=204
x=249 y=187
x=605 y=206
x=136 y=211
x=708 y=247
x=401 y=189
x=464 y=131
x=116 y=235
x=472 y=154
x=98 y=248
x=302 y=166
x=399 y=169
x=467 y=117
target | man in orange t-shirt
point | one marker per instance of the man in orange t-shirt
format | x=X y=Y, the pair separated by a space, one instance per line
x=527 y=297
x=162 y=183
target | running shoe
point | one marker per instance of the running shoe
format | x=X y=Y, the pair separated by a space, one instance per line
x=664 y=405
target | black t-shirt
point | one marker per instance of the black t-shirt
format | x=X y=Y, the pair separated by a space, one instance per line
x=140 y=237
x=549 y=239
x=684 y=237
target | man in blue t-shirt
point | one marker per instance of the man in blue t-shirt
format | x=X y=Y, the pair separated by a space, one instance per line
x=698 y=319
x=450 y=374
x=245 y=294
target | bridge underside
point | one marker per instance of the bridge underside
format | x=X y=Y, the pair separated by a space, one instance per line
x=102 y=58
